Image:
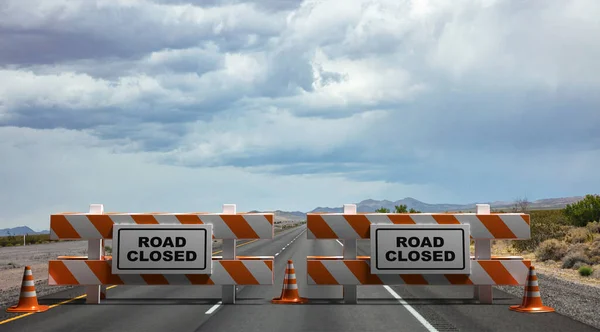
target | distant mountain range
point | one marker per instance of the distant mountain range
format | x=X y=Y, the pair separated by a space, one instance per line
x=370 y=205
x=21 y=230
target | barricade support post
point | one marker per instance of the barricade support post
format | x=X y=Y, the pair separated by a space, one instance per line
x=228 y=292
x=483 y=250
x=349 y=252
x=95 y=251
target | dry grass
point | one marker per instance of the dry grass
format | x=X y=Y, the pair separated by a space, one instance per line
x=553 y=268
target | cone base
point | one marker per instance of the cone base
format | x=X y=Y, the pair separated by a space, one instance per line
x=39 y=308
x=541 y=309
x=299 y=300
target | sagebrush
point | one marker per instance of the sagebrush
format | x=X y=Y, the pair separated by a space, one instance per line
x=572 y=258
x=551 y=249
x=579 y=235
x=593 y=227
x=544 y=225
x=17 y=240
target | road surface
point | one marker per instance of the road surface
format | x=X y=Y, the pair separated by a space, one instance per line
x=196 y=308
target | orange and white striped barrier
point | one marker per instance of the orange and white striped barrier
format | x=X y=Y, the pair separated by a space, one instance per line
x=225 y=272
x=358 y=272
x=75 y=226
x=28 y=298
x=481 y=270
x=357 y=226
x=146 y=230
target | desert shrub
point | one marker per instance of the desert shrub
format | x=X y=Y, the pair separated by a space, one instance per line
x=107 y=250
x=29 y=239
x=579 y=247
x=544 y=225
x=596 y=272
x=585 y=271
x=594 y=252
x=551 y=249
x=572 y=258
x=578 y=235
x=577 y=265
x=593 y=227
x=584 y=211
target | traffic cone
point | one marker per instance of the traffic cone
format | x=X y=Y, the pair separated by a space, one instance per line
x=289 y=293
x=532 y=301
x=28 y=299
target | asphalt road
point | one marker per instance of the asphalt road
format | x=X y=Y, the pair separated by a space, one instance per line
x=196 y=308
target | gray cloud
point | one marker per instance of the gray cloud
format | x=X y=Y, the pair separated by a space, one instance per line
x=456 y=95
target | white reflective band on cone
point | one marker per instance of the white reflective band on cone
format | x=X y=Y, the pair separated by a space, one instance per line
x=28 y=283
x=28 y=273
x=28 y=294
x=533 y=294
x=292 y=276
x=291 y=286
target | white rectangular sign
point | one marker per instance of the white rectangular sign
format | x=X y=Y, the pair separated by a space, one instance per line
x=420 y=249
x=162 y=249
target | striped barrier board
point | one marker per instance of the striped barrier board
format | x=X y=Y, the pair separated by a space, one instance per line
x=334 y=271
x=76 y=226
x=357 y=226
x=257 y=270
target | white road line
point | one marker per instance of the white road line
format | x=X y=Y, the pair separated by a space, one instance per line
x=287 y=245
x=410 y=309
x=216 y=306
x=213 y=308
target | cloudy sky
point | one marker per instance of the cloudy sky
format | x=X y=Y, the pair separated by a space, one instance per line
x=175 y=106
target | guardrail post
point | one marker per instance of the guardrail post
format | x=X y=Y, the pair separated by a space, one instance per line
x=350 y=294
x=228 y=292
x=94 y=252
x=483 y=250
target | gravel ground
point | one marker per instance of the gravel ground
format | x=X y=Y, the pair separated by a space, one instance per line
x=14 y=259
x=576 y=300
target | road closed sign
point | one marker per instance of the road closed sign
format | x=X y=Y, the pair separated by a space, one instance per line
x=162 y=249
x=420 y=249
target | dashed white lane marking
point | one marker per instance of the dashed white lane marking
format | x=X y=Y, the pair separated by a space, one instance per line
x=410 y=309
x=287 y=245
x=216 y=306
x=213 y=308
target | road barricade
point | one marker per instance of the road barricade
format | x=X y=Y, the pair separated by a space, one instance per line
x=418 y=249
x=161 y=249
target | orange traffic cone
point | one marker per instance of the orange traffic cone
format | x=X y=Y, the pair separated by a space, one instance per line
x=532 y=301
x=28 y=299
x=289 y=293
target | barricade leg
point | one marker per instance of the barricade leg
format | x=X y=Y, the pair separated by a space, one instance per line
x=483 y=250
x=349 y=291
x=228 y=292
x=95 y=250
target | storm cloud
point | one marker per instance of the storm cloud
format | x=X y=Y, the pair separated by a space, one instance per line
x=266 y=103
